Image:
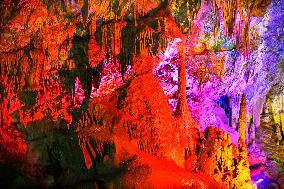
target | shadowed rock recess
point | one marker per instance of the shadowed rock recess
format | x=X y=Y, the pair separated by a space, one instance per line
x=142 y=94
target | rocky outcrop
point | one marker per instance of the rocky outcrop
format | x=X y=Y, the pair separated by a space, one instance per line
x=219 y=157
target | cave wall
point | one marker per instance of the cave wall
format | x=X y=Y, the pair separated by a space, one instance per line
x=91 y=88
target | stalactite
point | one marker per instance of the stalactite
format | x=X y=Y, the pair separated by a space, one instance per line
x=236 y=19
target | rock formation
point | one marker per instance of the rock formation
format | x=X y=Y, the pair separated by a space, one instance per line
x=141 y=94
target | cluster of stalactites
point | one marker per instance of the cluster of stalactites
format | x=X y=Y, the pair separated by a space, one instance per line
x=29 y=82
x=236 y=15
x=121 y=41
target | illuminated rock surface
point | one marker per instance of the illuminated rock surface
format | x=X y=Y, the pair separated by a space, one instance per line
x=141 y=94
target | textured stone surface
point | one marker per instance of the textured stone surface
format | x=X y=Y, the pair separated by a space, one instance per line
x=219 y=157
x=80 y=104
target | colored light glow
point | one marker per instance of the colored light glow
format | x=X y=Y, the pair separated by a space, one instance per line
x=259 y=181
x=216 y=67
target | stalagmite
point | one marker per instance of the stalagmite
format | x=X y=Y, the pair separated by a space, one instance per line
x=182 y=108
x=242 y=122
